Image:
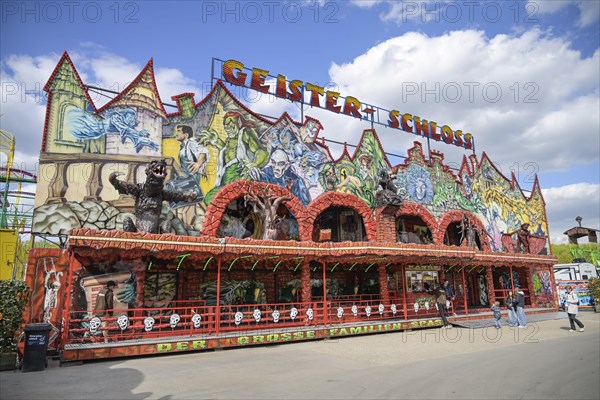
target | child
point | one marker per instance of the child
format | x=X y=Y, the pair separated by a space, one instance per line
x=496 y=310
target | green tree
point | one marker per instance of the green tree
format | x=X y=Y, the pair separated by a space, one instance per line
x=14 y=296
x=567 y=252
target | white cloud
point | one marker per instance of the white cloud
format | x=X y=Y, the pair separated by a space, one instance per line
x=548 y=101
x=589 y=11
x=567 y=202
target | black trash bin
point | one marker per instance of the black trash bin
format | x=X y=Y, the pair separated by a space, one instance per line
x=36 y=345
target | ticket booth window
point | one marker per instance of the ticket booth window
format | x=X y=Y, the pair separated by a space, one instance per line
x=421 y=281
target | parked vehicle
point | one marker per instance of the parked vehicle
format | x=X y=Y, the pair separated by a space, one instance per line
x=574 y=271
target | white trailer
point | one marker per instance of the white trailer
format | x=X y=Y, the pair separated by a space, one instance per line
x=575 y=271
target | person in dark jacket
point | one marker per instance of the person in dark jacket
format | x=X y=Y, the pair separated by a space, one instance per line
x=512 y=313
x=520 y=306
x=449 y=294
x=104 y=305
x=441 y=304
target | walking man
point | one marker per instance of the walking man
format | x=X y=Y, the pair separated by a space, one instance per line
x=441 y=304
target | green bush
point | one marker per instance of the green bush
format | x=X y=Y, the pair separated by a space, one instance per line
x=595 y=288
x=13 y=297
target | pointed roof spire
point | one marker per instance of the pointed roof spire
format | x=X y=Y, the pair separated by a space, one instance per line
x=142 y=92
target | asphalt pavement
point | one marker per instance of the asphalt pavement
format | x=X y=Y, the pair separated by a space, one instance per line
x=543 y=361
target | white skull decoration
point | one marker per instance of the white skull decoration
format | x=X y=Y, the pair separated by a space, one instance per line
x=275 y=314
x=256 y=314
x=237 y=318
x=174 y=320
x=94 y=325
x=196 y=320
x=416 y=305
x=123 y=321
x=148 y=324
x=394 y=310
x=293 y=313
x=310 y=314
x=368 y=311
x=354 y=310
x=340 y=312
x=427 y=305
x=381 y=309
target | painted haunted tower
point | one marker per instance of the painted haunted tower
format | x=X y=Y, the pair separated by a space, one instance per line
x=255 y=225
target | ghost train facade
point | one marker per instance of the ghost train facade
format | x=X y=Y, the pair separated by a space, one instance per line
x=223 y=228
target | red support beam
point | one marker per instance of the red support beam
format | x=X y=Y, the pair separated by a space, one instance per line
x=324 y=293
x=464 y=282
x=218 y=313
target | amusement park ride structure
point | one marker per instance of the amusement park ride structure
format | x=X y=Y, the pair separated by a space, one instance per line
x=16 y=211
x=341 y=256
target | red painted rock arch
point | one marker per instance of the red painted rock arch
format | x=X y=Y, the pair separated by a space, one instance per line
x=336 y=199
x=237 y=189
x=418 y=210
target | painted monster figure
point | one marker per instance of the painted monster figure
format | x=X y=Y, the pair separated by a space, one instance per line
x=149 y=197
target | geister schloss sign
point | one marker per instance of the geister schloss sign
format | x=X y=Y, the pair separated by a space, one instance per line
x=233 y=72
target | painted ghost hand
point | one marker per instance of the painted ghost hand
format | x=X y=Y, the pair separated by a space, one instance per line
x=127 y=294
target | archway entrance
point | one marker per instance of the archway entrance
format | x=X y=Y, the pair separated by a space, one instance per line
x=412 y=229
x=344 y=223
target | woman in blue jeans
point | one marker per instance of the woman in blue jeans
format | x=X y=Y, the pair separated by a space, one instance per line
x=520 y=306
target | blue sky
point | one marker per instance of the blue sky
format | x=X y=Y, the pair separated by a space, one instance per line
x=372 y=50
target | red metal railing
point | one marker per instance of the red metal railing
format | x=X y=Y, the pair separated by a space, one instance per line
x=146 y=323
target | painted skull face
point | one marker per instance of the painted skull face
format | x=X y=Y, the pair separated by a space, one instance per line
x=381 y=309
x=148 y=324
x=427 y=305
x=310 y=314
x=354 y=310
x=416 y=306
x=275 y=314
x=368 y=311
x=94 y=325
x=340 y=312
x=174 y=320
x=256 y=314
x=293 y=313
x=237 y=318
x=196 y=320
x=394 y=309
x=123 y=321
